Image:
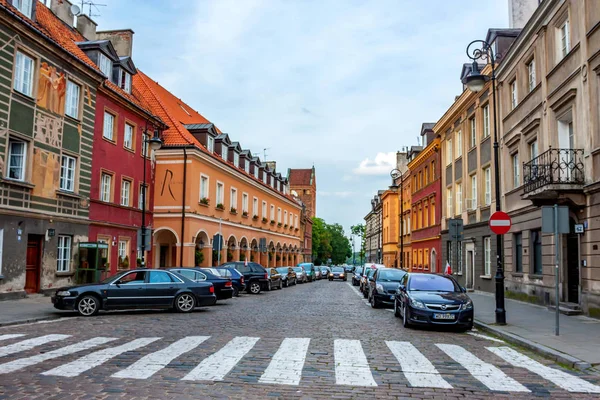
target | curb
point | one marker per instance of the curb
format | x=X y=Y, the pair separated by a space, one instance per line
x=27 y=321
x=536 y=347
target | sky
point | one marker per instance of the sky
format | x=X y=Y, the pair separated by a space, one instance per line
x=339 y=84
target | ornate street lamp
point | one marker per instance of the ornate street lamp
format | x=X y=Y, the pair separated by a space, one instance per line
x=475 y=81
x=153 y=143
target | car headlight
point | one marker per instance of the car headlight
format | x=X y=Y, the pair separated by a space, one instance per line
x=341 y=275
x=468 y=305
x=330 y=274
x=379 y=288
x=417 y=304
x=63 y=293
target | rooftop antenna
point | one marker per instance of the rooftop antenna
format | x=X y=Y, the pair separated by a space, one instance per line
x=265 y=152
x=90 y=4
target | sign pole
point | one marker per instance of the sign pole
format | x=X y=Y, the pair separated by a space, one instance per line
x=556 y=236
x=220 y=244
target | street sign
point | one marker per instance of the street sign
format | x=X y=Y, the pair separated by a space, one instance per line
x=562 y=216
x=579 y=228
x=500 y=223
x=217 y=242
x=456 y=229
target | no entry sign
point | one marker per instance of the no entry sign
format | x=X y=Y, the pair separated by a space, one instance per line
x=500 y=223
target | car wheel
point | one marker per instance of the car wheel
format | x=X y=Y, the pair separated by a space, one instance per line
x=254 y=288
x=396 y=311
x=405 y=322
x=365 y=294
x=88 y=306
x=374 y=302
x=269 y=286
x=236 y=292
x=185 y=303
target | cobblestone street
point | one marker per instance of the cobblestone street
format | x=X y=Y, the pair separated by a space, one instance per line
x=317 y=340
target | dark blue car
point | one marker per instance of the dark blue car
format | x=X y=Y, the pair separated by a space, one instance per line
x=223 y=286
x=237 y=279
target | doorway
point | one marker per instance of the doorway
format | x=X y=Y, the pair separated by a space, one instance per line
x=33 y=263
x=433 y=261
x=164 y=254
x=572 y=251
x=470 y=268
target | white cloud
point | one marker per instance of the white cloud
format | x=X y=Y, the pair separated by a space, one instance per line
x=382 y=164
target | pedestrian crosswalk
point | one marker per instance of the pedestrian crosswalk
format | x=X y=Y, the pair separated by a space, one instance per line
x=491 y=367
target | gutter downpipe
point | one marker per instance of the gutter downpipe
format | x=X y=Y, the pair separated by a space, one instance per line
x=183 y=207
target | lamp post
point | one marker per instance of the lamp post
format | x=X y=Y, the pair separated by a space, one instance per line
x=153 y=143
x=353 y=252
x=475 y=81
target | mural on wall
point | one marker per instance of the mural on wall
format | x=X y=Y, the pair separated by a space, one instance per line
x=52 y=88
x=47 y=129
x=45 y=173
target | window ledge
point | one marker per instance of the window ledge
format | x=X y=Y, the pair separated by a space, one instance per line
x=203 y=204
x=72 y=119
x=485 y=277
x=68 y=194
x=517 y=274
x=66 y=273
x=533 y=276
x=111 y=141
x=17 y=183
x=132 y=151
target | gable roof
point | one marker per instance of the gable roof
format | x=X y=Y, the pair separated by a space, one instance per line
x=300 y=177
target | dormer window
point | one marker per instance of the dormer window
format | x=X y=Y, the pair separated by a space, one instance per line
x=265 y=177
x=247 y=166
x=210 y=144
x=236 y=159
x=105 y=65
x=273 y=182
x=125 y=81
x=24 y=6
x=256 y=172
x=224 y=151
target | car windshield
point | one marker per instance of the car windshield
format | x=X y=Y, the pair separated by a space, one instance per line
x=358 y=270
x=282 y=270
x=391 y=275
x=371 y=272
x=298 y=269
x=214 y=271
x=337 y=269
x=432 y=283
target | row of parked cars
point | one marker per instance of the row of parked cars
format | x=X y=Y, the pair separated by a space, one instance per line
x=417 y=298
x=182 y=289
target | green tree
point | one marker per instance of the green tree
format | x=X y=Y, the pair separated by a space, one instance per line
x=321 y=241
x=340 y=245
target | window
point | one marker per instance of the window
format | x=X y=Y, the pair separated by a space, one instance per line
x=516 y=170
x=486 y=121
x=145 y=148
x=17 y=156
x=233 y=199
x=24 y=6
x=254 y=206
x=278 y=215
x=142 y=196
x=420 y=180
x=449 y=152
x=236 y=159
x=72 y=102
x=291 y=219
x=264 y=209
x=220 y=193
x=105 y=187
x=531 y=75
x=487 y=173
x=245 y=202
x=285 y=217
x=108 y=129
x=432 y=211
x=565 y=40
x=296 y=221
x=513 y=94
x=458 y=144
x=518 y=251
x=256 y=171
x=67 y=173
x=210 y=144
x=128 y=137
x=125 y=192
x=426 y=176
x=125 y=81
x=426 y=215
x=449 y=202
x=123 y=251
x=264 y=177
x=203 y=187
x=105 y=65
x=224 y=150
x=458 y=198
x=24 y=74
x=473 y=204
x=272 y=212
x=63 y=257
x=487 y=252
x=473 y=132
x=533 y=150
x=273 y=182
x=246 y=166
x=536 y=251
x=432 y=171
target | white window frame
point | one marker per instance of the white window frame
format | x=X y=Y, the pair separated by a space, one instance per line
x=24 y=72
x=220 y=194
x=128 y=136
x=264 y=209
x=458 y=144
x=24 y=6
x=108 y=122
x=141 y=195
x=296 y=221
x=486 y=121
x=533 y=149
x=73 y=99
x=285 y=217
x=22 y=165
x=145 y=145
x=245 y=202
x=459 y=208
x=487 y=174
x=516 y=170
x=63 y=254
x=236 y=159
x=246 y=165
x=125 y=192
x=210 y=143
x=105 y=64
x=68 y=167
x=254 y=206
x=264 y=177
x=279 y=215
x=122 y=249
x=224 y=151
x=473 y=191
x=449 y=203
x=514 y=93
x=105 y=184
x=256 y=171
x=125 y=80
x=291 y=220
x=531 y=74
x=449 y=158
x=487 y=251
x=204 y=186
x=272 y=213
x=233 y=198
x=473 y=127
x=564 y=41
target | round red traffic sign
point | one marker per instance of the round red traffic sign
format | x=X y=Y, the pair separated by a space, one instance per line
x=500 y=223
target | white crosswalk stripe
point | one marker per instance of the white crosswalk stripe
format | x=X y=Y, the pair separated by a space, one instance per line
x=566 y=381
x=217 y=365
x=29 y=344
x=486 y=373
x=154 y=362
x=92 y=360
x=419 y=371
x=351 y=365
x=21 y=363
x=287 y=364
x=11 y=336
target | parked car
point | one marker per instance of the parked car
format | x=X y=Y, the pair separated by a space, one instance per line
x=255 y=276
x=337 y=273
x=288 y=275
x=310 y=271
x=275 y=281
x=325 y=272
x=138 y=288
x=383 y=286
x=433 y=299
x=348 y=269
x=356 y=276
x=237 y=279
x=223 y=286
x=301 y=276
x=368 y=276
x=318 y=273
x=363 y=279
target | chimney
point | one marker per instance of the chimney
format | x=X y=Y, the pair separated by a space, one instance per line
x=122 y=40
x=272 y=165
x=86 y=27
x=62 y=9
x=519 y=12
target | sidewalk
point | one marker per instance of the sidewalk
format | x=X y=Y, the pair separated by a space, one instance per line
x=532 y=326
x=30 y=309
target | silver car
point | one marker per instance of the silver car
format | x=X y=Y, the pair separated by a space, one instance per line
x=301 y=276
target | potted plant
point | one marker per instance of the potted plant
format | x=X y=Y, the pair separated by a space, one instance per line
x=251 y=257
x=285 y=225
x=125 y=264
x=255 y=217
x=242 y=257
x=279 y=224
x=272 y=222
x=199 y=258
x=245 y=214
x=138 y=262
x=233 y=210
x=220 y=206
x=229 y=256
x=204 y=201
x=264 y=220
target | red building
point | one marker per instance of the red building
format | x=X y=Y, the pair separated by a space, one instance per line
x=426 y=204
x=122 y=124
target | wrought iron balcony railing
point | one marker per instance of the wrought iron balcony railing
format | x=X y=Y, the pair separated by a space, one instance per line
x=554 y=167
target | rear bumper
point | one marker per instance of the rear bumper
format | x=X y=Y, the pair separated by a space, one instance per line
x=205 y=300
x=225 y=293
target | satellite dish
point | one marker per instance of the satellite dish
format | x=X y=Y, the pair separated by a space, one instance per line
x=75 y=10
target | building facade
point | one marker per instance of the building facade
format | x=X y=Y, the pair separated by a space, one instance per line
x=47 y=103
x=549 y=112
x=404 y=240
x=303 y=184
x=425 y=204
x=390 y=224
x=373 y=231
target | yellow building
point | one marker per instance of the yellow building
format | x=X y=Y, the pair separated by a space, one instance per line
x=390 y=223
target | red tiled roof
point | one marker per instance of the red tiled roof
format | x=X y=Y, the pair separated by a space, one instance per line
x=301 y=177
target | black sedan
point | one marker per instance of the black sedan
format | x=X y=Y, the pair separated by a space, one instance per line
x=383 y=286
x=337 y=273
x=432 y=299
x=237 y=279
x=223 y=286
x=356 y=276
x=288 y=276
x=139 y=288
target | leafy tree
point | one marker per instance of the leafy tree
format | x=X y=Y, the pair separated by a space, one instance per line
x=329 y=241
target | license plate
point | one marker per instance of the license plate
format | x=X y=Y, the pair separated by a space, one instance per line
x=392 y=297
x=443 y=316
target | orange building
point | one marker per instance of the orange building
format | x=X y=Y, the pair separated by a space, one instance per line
x=208 y=185
x=404 y=242
x=390 y=225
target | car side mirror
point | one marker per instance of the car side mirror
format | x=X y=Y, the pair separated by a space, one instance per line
x=462 y=289
x=372 y=279
x=401 y=288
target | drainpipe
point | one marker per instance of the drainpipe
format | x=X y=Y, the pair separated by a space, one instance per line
x=183 y=207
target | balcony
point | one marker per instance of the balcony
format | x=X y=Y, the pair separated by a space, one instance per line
x=552 y=173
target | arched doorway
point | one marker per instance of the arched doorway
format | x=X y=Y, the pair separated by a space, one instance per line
x=165 y=241
x=232 y=248
x=243 y=250
x=202 y=250
x=254 y=254
x=433 y=263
